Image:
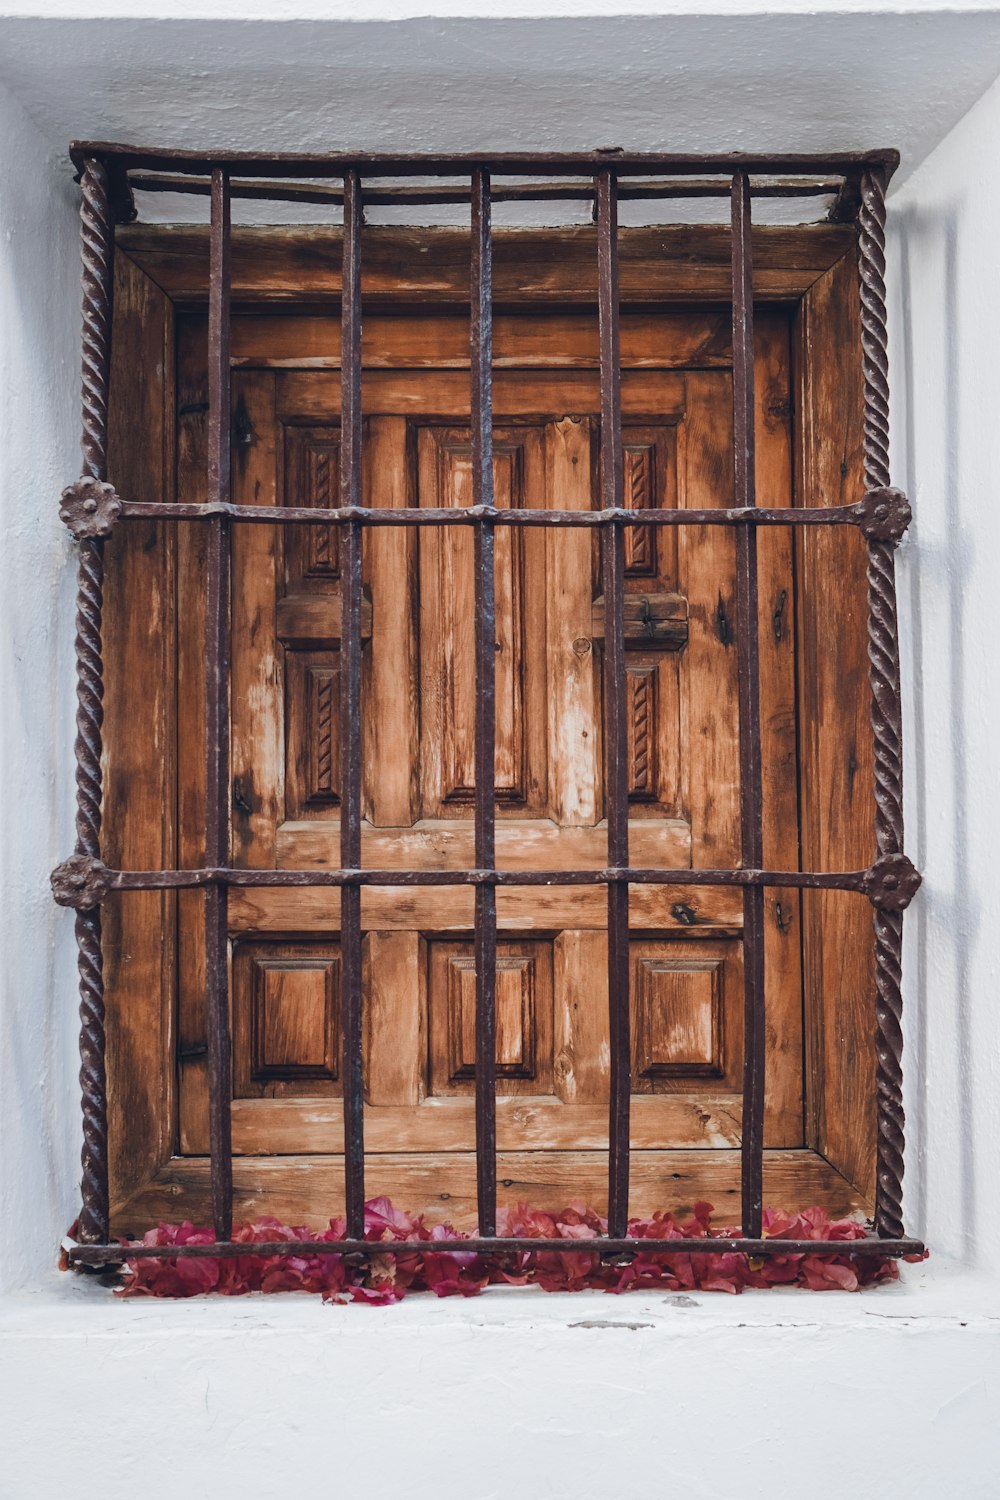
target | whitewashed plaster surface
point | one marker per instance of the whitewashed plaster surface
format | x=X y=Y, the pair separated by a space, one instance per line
x=772 y=1394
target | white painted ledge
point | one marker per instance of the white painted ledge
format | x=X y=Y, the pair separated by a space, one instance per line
x=936 y=1293
x=515 y=1393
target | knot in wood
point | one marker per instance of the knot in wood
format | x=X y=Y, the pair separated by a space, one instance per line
x=90 y=509
x=884 y=514
x=81 y=882
x=892 y=882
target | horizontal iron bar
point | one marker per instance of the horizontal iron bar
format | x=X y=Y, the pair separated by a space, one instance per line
x=159 y=880
x=468 y=515
x=519 y=192
x=96 y=1255
x=500 y=164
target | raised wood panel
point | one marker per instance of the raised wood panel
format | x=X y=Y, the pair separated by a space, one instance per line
x=308 y=1190
x=687 y=1015
x=312 y=751
x=677 y=1018
x=642 y=712
x=447 y=606
x=286 y=1019
x=523 y=1015
x=311 y=477
x=672 y=263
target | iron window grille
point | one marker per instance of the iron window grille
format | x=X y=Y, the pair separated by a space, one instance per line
x=91 y=509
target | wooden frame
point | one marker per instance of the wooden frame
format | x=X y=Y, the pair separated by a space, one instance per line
x=285 y=274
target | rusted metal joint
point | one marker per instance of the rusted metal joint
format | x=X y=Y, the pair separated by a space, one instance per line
x=892 y=882
x=81 y=882
x=884 y=514
x=90 y=508
x=611 y=1257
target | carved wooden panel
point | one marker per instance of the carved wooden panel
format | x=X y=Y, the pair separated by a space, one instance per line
x=447 y=654
x=523 y=1012
x=312 y=757
x=286 y=1019
x=311 y=477
x=649 y=456
x=642 y=717
x=686 y=1016
x=678 y=1022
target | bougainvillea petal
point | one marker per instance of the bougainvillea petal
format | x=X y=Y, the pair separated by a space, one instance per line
x=438 y=1264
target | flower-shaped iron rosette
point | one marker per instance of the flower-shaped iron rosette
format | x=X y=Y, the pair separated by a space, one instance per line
x=81 y=882
x=892 y=882
x=90 y=509
x=884 y=515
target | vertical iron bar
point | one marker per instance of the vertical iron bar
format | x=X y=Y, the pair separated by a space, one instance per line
x=615 y=724
x=97 y=257
x=217 y=626
x=751 y=788
x=481 y=339
x=350 y=711
x=883 y=657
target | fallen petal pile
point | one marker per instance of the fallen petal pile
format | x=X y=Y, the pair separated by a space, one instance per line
x=439 y=1264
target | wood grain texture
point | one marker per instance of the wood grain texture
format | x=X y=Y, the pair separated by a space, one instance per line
x=437 y=339
x=257 y=750
x=307 y=1190
x=447 y=844
x=553 y=1047
x=836 y=747
x=139 y=930
x=674 y=263
x=776 y=626
x=281 y=1127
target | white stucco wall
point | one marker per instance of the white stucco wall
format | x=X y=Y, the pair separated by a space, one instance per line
x=774 y=1394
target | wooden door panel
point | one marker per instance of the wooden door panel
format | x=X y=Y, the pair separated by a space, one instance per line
x=418 y=718
x=447 y=655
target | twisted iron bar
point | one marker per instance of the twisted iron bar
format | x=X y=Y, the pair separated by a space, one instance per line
x=883 y=657
x=96 y=254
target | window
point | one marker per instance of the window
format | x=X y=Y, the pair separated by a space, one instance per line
x=487 y=805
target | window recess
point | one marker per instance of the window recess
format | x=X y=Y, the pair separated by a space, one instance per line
x=590 y=446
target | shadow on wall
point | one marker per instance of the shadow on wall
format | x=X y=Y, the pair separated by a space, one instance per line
x=935 y=564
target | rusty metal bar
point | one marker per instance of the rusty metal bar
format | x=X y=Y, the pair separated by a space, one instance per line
x=217 y=626
x=860 y=514
x=481 y=351
x=886 y=714
x=751 y=782
x=350 y=710
x=605 y=1247
x=97 y=265
x=512 y=164
x=870 y=882
x=615 y=723
x=528 y=192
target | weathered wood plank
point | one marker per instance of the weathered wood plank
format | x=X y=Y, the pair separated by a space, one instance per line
x=139 y=713
x=308 y=1190
x=837 y=796
x=671 y=262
